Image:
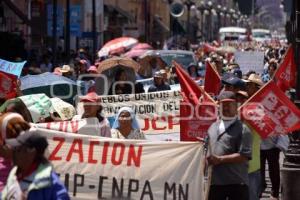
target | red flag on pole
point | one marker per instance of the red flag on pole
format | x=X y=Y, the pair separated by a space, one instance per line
x=8 y=84
x=197 y=109
x=285 y=75
x=212 y=84
x=270 y=112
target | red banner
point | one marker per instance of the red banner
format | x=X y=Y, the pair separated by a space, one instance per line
x=285 y=76
x=212 y=84
x=7 y=86
x=270 y=112
x=197 y=110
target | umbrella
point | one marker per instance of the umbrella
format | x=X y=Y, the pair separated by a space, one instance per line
x=148 y=54
x=138 y=50
x=109 y=68
x=134 y=53
x=50 y=84
x=118 y=61
x=117 y=45
x=141 y=46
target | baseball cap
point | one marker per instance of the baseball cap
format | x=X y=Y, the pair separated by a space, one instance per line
x=92 y=68
x=227 y=96
x=57 y=71
x=231 y=66
x=90 y=97
x=192 y=65
x=234 y=81
x=31 y=139
x=158 y=74
x=238 y=73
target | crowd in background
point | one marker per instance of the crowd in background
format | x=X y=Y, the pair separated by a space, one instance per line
x=240 y=86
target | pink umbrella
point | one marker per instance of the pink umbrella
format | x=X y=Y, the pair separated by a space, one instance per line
x=143 y=46
x=138 y=50
x=116 y=45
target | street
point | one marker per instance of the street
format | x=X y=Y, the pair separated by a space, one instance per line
x=149 y=99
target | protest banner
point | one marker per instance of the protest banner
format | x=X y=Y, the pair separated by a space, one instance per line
x=270 y=112
x=8 y=84
x=250 y=60
x=197 y=109
x=14 y=68
x=285 y=75
x=103 y=168
x=85 y=126
x=157 y=112
x=39 y=106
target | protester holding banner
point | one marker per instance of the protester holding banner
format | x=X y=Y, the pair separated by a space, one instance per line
x=93 y=109
x=11 y=125
x=231 y=147
x=33 y=176
x=126 y=125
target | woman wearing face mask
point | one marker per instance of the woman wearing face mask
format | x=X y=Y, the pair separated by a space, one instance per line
x=126 y=126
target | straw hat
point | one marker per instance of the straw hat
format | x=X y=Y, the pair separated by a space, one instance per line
x=65 y=69
x=254 y=78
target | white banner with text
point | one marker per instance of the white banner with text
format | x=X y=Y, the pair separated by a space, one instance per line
x=93 y=167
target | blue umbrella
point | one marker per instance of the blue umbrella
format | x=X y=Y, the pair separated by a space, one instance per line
x=50 y=84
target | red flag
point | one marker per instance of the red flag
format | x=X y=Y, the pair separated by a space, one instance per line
x=285 y=75
x=270 y=112
x=207 y=48
x=197 y=109
x=212 y=84
x=7 y=86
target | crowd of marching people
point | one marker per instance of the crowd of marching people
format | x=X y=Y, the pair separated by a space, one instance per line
x=238 y=155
